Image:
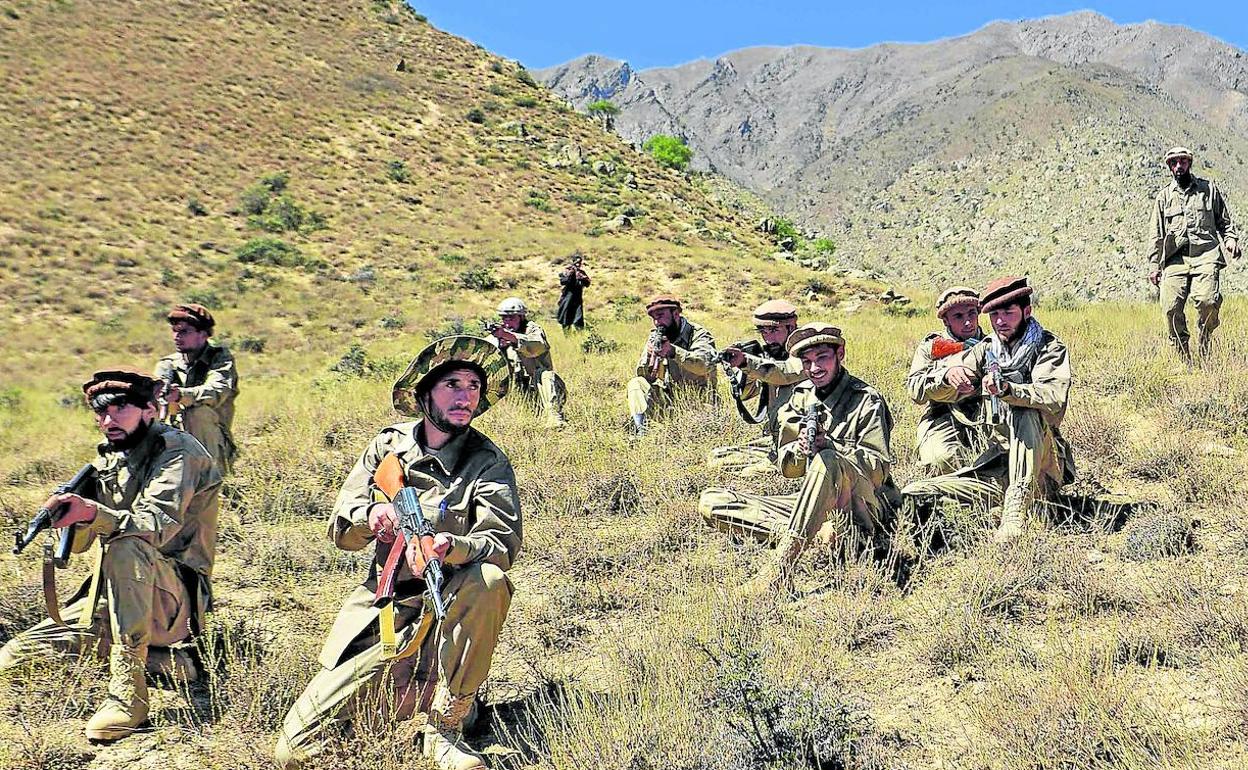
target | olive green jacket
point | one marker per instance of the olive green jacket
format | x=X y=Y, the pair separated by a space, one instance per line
x=1186 y=225
x=926 y=376
x=694 y=359
x=530 y=354
x=856 y=419
x=467 y=489
x=165 y=491
x=208 y=385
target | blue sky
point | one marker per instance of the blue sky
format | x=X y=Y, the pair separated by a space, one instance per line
x=647 y=33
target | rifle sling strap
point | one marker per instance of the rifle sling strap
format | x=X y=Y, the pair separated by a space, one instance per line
x=389 y=645
x=53 y=604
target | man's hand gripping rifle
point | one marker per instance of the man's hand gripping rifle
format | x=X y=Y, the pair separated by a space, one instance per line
x=656 y=364
x=81 y=484
x=994 y=372
x=810 y=428
x=413 y=528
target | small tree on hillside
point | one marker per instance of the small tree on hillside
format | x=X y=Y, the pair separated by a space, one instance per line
x=668 y=150
x=605 y=111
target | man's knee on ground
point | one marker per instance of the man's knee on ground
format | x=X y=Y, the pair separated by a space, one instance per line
x=711 y=499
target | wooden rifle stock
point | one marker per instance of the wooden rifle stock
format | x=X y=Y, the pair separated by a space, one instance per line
x=389 y=478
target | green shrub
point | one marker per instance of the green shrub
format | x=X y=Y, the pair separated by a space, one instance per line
x=396 y=171
x=196 y=207
x=270 y=251
x=524 y=77
x=475 y=115
x=393 y=322
x=206 y=297
x=524 y=101
x=478 y=279
x=596 y=343
x=250 y=344
x=276 y=182
x=669 y=151
x=538 y=200
x=451 y=258
x=824 y=246
x=255 y=199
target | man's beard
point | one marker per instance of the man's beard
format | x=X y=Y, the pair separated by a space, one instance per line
x=1184 y=179
x=438 y=418
x=671 y=331
x=775 y=350
x=131 y=440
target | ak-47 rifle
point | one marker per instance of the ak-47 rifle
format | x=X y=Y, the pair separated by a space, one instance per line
x=810 y=427
x=413 y=528
x=737 y=380
x=994 y=371
x=78 y=485
x=167 y=410
x=655 y=363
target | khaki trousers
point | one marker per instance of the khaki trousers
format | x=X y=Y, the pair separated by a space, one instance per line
x=833 y=496
x=201 y=422
x=1021 y=461
x=549 y=390
x=644 y=395
x=1202 y=285
x=753 y=459
x=478 y=597
x=142 y=601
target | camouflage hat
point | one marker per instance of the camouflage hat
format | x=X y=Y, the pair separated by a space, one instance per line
x=475 y=352
x=955 y=297
x=809 y=335
x=1177 y=152
x=194 y=314
x=774 y=312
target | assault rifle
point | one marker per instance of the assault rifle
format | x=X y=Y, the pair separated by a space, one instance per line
x=810 y=427
x=656 y=364
x=80 y=484
x=413 y=528
x=994 y=372
x=737 y=380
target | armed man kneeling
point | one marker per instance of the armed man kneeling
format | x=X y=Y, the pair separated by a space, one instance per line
x=1025 y=373
x=153 y=512
x=398 y=659
x=678 y=354
x=524 y=344
x=834 y=431
x=768 y=372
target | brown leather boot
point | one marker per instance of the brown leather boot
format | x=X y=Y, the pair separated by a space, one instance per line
x=125 y=708
x=443 y=742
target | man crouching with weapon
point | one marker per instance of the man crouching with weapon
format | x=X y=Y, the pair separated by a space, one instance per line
x=767 y=371
x=439 y=500
x=150 y=501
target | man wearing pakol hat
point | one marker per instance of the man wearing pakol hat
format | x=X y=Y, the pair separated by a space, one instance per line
x=200 y=382
x=1024 y=373
x=524 y=344
x=1189 y=216
x=946 y=429
x=769 y=374
x=154 y=515
x=386 y=661
x=678 y=354
x=847 y=499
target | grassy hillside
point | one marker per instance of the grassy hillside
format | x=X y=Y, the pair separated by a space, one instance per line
x=627 y=646
x=150 y=145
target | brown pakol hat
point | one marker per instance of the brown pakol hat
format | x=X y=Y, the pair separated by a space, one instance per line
x=1005 y=291
x=193 y=314
x=773 y=312
x=812 y=334
x=135 y=384
x=955 y=297
x=662 y=301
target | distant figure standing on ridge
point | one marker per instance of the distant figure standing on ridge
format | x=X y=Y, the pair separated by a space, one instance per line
x=1189 y=215
x=573 y=281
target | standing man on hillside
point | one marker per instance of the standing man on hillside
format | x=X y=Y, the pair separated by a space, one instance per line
x=835 y=432
x=572 y=283
x=1024 y=372
x=770 y=375
x=200 y=383
x=946 y=429
x=524 y=344
x=396 y=660
x=678 y=354
x=154 y=512
x=1189 y=216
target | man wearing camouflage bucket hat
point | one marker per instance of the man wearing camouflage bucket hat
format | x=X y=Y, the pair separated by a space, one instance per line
x=1189 y=216
x=768 y=372
x=678 y=354
x=153 y=511
x=835 y=433
x=200 y=382
x=946 y=430
x=1023 y=372
x=397 y=659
